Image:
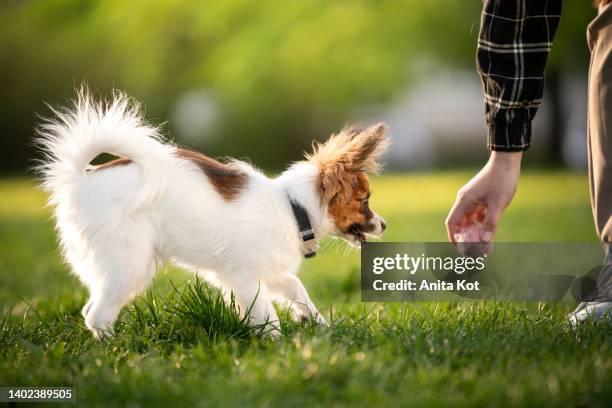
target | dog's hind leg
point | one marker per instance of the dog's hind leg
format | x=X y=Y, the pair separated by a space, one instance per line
x=123 y=272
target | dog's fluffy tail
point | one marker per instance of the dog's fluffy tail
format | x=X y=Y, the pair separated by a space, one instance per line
x=80 y=133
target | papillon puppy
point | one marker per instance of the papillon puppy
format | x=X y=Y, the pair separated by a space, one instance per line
x=224 y=220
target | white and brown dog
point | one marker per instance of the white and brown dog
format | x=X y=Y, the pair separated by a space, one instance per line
x=226 y=221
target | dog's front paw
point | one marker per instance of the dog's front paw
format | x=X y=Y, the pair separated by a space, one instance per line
x=101 y=334
x=317 y=316
x=273 y=332
x=321 y=320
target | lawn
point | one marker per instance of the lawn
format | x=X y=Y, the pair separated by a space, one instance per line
x=177 y=345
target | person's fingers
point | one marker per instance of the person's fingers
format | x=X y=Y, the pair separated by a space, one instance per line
x=453 y=223
x=457 y=217
x=490 y=221
x=452 y=228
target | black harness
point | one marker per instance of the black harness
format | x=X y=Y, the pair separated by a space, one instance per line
x=306 y=233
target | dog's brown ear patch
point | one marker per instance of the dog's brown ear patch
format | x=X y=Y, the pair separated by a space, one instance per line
x=227 y=178
x=335 y=183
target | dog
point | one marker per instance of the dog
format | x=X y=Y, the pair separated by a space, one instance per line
x=224 y=220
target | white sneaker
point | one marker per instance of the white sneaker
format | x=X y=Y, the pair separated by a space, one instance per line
x=594 y=311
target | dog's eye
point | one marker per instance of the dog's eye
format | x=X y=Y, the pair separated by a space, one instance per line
x=366 y=202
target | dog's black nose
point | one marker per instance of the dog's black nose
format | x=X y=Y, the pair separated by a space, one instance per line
x=383 y=226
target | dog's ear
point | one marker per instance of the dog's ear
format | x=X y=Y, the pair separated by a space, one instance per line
x=336 y=183
x=365 y=149
x=342 y=155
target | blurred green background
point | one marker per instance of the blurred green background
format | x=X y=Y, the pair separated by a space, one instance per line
x=262 y=79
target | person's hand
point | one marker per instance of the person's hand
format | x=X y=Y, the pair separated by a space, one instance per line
x=484 y=198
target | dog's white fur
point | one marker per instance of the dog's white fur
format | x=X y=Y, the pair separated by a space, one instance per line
x=116 y=224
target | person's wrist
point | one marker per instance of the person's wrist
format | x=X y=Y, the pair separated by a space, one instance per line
x=506 y=160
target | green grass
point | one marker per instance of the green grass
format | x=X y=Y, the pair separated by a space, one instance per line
x=182 y=346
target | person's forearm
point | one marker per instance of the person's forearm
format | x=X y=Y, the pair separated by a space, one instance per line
x=513 y=46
